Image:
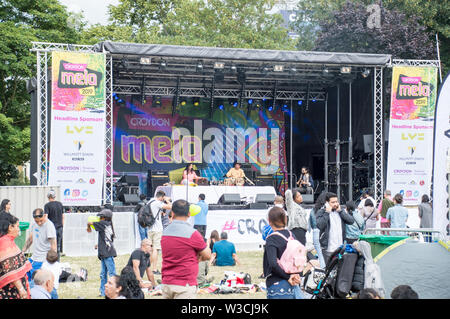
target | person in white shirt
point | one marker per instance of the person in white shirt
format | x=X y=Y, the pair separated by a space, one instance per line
x=331 y=222
x=158 y=205
x=53 y=265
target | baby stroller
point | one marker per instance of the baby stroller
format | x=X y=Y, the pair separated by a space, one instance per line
x=343 y=275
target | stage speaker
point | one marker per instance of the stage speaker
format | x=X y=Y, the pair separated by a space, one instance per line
x=229 y=199
x=130 y=199
x=265 y=198
x=308 y=198
x=264 y=180
x=155 y=179
x=129 y=180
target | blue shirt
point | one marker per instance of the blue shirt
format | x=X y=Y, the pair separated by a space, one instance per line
x=200 y=218
x=224 y=253
x=353 y=231
x=38 y=292
x=398 y=215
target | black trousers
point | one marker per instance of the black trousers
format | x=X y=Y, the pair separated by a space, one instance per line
x=59 y=238
x=300 y=235
x=202 y=230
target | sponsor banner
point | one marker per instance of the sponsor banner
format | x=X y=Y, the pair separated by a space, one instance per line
x=78 y=127
x=441 y=167
x=410 y=146
x=242 y=226
x=152 y=138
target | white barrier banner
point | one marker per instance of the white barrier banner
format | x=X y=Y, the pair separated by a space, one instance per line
x=77 y=135
x=441 y=168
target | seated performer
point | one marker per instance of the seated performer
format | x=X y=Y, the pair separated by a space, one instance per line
x=305 y=182
x=189 y=175
x=235 y=176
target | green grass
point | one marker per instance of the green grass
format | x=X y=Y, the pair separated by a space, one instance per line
x=251 y=262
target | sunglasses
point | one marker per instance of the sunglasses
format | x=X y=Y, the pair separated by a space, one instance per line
x=38 y=216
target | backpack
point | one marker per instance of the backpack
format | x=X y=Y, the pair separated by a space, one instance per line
x=293 y=259
x=145 y=216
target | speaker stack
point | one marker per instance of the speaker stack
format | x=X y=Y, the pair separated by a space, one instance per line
x=264 y=180
x=128 y=189
x=156 y=178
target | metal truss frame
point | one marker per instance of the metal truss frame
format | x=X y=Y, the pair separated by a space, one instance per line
x=43 y=57
x=378 y=133
x=218 y=93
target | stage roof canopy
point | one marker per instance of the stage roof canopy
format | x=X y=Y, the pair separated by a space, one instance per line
x=162 y=65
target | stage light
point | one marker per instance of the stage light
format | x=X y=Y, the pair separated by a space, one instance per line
x=313 y=100
x=199 y=66
x=325 y=72
x=163 y=65
x=250 y=101
x=270 y=108
x=235 y=104
x=156 y=101
x=220 y=106
x=233 y=68
x=300 y=102
x=258 y=103
x=346 y=69
x=219 y=65
x=365 y=73
x=146 y=60
x=293 y=70
x=196 y=101
x=278 y=68
x=183 y=101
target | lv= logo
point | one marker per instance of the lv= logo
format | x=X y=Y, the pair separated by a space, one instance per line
x=415 y=136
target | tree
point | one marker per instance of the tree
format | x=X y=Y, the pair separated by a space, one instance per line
x=434 y=15
x=221 y=23
x=397 y=34
x=21 y=22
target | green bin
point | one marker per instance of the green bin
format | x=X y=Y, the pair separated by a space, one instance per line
x=378 y=243
x=21 y=239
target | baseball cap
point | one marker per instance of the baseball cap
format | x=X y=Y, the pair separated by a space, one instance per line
x=105 y=213
x=51 y=194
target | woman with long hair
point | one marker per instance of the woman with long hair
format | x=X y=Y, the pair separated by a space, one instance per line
x=130 y=285
x=280 y=285
x=5 y=206
x=13 y=264
x=189 y=175
x=298 y=222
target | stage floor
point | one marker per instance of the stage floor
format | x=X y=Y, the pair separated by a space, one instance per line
x=213 y=192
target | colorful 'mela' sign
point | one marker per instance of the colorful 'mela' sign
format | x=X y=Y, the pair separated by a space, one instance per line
x=78 y=81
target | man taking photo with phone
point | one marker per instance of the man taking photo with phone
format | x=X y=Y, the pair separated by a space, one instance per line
x=331 y=220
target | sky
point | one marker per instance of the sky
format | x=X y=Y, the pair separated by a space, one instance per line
x=94 y=11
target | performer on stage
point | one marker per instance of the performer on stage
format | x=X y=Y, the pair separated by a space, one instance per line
x=305 y=182
x=189 y=175
x=235 y=176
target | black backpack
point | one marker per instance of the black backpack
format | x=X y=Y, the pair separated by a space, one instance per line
x=145 y=216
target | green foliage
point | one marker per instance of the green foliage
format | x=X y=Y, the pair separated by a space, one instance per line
x=21 y=22
x=217 y=23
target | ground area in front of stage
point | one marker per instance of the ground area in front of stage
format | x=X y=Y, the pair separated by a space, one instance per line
x=251 y=263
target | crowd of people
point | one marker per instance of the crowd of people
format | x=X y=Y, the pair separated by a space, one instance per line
x=180 y=240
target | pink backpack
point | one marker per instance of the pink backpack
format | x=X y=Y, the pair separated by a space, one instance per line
x=293 y=259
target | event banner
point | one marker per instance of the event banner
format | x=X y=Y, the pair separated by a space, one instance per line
x=410 y=149
x=155 y=138
x=77 y=131
x=441 y=167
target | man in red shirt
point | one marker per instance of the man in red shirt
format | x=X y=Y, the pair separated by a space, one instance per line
x=182 y=248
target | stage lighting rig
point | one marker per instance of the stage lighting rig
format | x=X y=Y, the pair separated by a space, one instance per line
x=219 y=65
x=278 y=68
x=145 y=60
x=365 y=73
x=156 y=101
x=346 y=69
